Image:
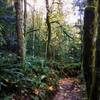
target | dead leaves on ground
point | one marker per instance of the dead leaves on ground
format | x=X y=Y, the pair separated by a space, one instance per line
x=69 y=89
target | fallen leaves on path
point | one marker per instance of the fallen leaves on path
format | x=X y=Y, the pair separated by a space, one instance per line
x=69 y=89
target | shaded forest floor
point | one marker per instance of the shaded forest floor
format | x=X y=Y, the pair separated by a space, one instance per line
x=53 y=81
x=70 y=89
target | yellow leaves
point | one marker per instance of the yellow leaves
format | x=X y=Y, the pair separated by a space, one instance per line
x=68 y=81
x=36 y=91
x=65 y=81
x=50 y=88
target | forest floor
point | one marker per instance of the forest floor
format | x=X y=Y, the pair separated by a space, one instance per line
x=70 y=89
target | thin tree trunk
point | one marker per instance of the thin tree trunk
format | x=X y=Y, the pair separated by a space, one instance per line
x=33 y=33
x=25 y=26
x=25 y=15
x=89 y=46
x=20 y=29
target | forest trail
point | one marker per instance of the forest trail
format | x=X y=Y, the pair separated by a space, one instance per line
x=69 y=89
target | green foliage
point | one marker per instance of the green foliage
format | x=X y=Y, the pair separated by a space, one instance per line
x=38 y=77
x=42 y=72
x=37 y=73
x=34 y=75
x=10 y=70
x=2 y=40
x=7 y=22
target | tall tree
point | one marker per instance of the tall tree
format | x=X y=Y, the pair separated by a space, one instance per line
x=25 y=25
x=48 y=28
x=33 y=33
x=89 y=46
x=25 y=15
x=20 y=29
x=97 y=88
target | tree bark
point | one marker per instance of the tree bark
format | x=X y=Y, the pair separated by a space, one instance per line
x=89 y=47
x=20 y=29
x=25 y=15
x=97 y=89
x=48 y=28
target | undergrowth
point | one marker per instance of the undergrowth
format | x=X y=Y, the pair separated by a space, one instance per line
x=36 y=79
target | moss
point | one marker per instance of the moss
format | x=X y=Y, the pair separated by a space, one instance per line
x=89 y=47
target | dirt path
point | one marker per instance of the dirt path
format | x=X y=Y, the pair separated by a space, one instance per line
x=69 y=89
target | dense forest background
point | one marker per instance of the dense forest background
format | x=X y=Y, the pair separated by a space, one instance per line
x=48 y=44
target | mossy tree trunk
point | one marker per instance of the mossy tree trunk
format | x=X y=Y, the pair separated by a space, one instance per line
x=97 y=89
x=89 y=46
x=48 y=29
x=20 y=29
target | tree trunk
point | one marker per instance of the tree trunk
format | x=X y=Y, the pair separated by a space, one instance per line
x=48 y=28
x=89 y=46
x=25 y=26
x=20 y=29
x=33 y=46
x=97 y=89
x=25 y=15
x=32 y=52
